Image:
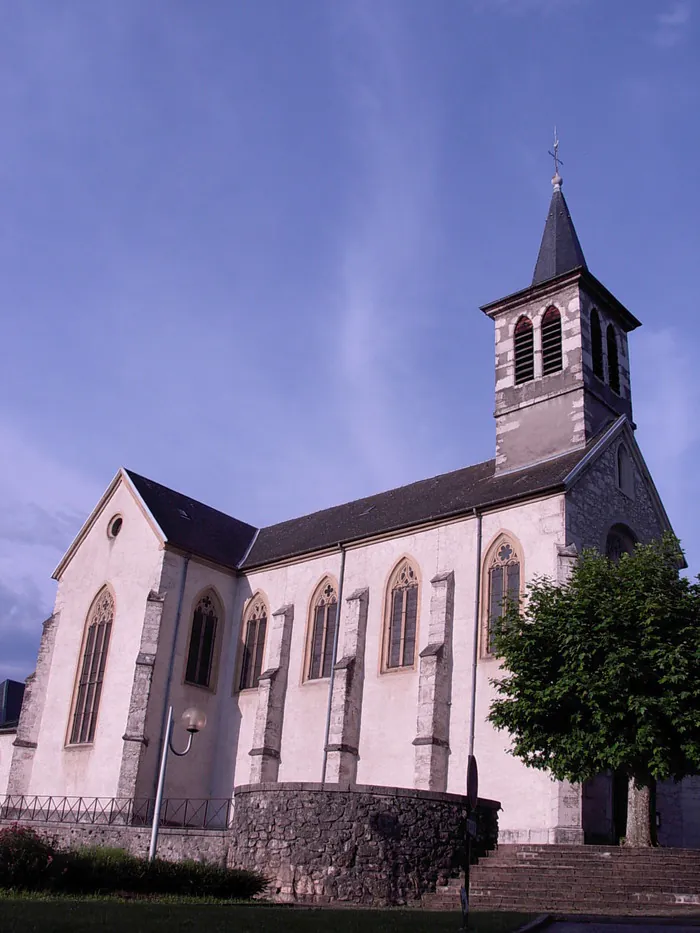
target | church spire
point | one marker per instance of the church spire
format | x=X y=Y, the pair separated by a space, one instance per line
x=560 y=250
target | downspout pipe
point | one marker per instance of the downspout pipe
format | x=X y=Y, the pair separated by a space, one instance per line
x=475 y=639
x=336 y=633
x=171 y=663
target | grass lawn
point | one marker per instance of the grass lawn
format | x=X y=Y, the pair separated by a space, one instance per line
x=61 y=915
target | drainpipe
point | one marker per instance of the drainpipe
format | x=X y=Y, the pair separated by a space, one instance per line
x=171 y=664
x=475 y=640
x=341 y=579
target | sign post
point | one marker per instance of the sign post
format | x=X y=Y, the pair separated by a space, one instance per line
x=472 y=799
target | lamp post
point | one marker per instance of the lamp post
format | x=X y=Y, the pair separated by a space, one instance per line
x=194 y=721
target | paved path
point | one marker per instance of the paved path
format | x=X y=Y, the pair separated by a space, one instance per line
x=624 y=925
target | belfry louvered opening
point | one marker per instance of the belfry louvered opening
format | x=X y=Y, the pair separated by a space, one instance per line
x=551 y=342
x=524 y=347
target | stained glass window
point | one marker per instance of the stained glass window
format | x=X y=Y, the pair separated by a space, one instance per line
x=254 y=631
x=403 y=617
x=201 y=651
x=503 y=586
x=324 y=617
x=92 y=669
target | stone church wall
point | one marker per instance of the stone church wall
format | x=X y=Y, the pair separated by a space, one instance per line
x=445 y=558
x=7 y=737
x=595 y=503
x=131 y=564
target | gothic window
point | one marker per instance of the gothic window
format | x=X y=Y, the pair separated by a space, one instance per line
x=402 y=617
x=625 y=475
x=621 y=540
x=524 y=351
x=324 y=615
x=503 y=585
x=254 y=631
x=613 y=363
x=92 y=668
x=551 y=342
x=597 y=345
x=200 y=655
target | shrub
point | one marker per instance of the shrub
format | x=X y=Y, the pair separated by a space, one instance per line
x=27 y=860
x=100 y=871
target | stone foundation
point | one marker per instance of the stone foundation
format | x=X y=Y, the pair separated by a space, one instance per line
x=366 y=845
x=319 y=843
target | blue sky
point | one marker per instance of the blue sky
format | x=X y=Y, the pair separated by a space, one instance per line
x=243 y=245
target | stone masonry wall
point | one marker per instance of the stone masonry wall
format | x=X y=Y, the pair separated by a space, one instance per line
x=595 y=503
x=202 y=845
x=366 y=845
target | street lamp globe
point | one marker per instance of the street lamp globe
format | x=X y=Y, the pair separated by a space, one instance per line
x=194 y=720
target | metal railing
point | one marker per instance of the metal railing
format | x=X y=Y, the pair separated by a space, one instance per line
x=181 y=812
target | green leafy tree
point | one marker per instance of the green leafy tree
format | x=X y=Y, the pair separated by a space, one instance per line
x=603 y=673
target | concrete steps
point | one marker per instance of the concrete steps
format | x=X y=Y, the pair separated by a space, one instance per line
x=580 y=879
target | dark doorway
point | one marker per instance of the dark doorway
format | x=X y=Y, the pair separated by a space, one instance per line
x=604 y=809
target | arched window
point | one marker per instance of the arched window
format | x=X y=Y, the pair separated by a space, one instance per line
x=524 y=350
x=613 y=364
x=254 y=631
x=625 y=475
x=621 y=540
x=597 y=345
x=200 y=656
x=402 y=617
x=324 y=614
x=551 y=342
x=503 y=585
x=92 y=668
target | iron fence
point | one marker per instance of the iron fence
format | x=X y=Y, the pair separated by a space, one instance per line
x=182 y=812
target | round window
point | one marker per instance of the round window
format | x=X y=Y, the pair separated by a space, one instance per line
x=115 y=526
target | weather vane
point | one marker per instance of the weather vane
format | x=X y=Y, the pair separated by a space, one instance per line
x=557 y=161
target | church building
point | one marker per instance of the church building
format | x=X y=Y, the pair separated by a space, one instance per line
x=353 y=646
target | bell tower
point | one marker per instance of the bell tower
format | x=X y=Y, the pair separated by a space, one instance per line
x=562 y=363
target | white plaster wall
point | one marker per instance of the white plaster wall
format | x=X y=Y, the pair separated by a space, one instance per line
x=525 y=794
x=198 y=773
x=529 y=798
x=6 y=740
x=301 y=755
x=130 y=563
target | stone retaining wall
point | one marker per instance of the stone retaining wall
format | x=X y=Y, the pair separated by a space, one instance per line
x=366 y=845
x=318 y=843
x=202 y=845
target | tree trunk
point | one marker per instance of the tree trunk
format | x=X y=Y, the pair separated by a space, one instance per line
x=639 y=797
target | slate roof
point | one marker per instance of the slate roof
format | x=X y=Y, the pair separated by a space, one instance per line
x=440 y=497
x=193 y=526
x=206 y=532
x=560 y=250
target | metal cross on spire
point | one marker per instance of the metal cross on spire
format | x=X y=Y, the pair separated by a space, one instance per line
x=556 y=181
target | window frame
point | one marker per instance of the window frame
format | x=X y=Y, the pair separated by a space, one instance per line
x=211 y=684
x=387 y=614
x=625 y=484
x=258 y=598
x=104 y=650
x=317 y=594
x=501 y=538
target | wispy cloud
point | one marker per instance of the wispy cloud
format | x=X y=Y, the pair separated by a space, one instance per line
x=525 y=7
x=667 y=399
x=43 y=503
x=386 y=243
x=671 y=26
